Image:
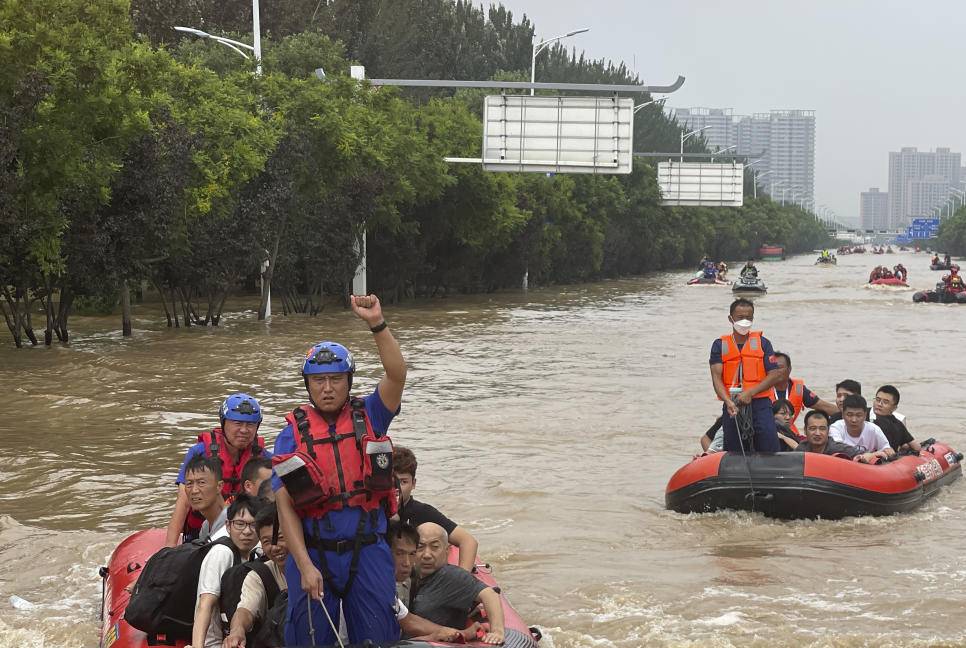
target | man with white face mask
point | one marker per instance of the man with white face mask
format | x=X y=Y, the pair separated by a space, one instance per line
x=744 y=370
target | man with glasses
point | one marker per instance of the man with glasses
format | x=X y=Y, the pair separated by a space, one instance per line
x=207 y=629
x=334 y=491
x=232 y=444
x=890 y=422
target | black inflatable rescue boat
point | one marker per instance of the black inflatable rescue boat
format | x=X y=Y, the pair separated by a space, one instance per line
x=792 y=485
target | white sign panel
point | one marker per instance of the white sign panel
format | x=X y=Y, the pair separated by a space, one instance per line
x=699 y=184
x=558 y=134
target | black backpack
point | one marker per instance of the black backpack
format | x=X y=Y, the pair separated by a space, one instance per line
x=231 y=588
x=163 y=601
x=271 y=633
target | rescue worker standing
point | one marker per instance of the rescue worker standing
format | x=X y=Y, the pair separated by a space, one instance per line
x=743 y=372
x=334 y=492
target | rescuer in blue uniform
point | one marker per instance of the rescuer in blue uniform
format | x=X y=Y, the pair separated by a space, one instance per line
x=233 y=444
x=744 y=371
x=335 y=492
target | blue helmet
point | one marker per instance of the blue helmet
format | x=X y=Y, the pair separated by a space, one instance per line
x=241 y=407
x=328 y=357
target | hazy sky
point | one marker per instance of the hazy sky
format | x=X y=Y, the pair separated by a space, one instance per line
x=879 y=75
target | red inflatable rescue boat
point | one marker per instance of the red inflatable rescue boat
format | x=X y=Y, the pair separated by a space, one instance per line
x=889 y=281
x=131 y=555
x=792 y=485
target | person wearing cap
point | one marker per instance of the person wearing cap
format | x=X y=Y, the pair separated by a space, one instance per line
x=334 y=490
x=232 y=444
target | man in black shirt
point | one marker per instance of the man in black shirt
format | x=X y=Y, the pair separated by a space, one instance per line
x=884 y=407
x=416 y=513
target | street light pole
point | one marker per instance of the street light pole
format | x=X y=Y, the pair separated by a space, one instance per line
x=227 y=42
x=960 y=195
x=648 y=103
x=257 y=35
x=686 y=136
x=757 y=176
x=720 y=151
x=538 y=47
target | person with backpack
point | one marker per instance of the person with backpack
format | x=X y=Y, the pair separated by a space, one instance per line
x=232 y=444
x=251 y=593
x=334 y=491
x=207 y=629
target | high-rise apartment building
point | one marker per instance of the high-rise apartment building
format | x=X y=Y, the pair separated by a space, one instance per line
x=874 y=209
x=919 y=182
x=784 y=139
x=721 y=133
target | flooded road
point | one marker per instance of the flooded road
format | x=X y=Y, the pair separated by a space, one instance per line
x=548 y=424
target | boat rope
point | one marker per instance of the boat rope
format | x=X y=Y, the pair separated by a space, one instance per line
x=745 y=422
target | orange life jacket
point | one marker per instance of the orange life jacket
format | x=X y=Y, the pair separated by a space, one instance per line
x=216 y=446
x=743 y=368
x=795 y=395
x=334 y=467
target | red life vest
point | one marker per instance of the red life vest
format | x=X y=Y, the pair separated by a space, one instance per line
x=340 y=466
x=743 y=368
x=216 y=446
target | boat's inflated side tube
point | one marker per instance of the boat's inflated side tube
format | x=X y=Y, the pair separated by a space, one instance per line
x=795 y=485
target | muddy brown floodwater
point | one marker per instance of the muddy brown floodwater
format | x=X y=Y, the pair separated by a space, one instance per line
x=547 y=423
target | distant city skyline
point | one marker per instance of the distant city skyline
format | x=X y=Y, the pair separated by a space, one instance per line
x=781 y=144
x=877 y=73
x=874 y=209
x=920 y=181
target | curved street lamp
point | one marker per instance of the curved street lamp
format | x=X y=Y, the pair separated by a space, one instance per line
x=538 y=47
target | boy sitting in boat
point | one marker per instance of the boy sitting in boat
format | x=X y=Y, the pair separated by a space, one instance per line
x=254 y=601
x=845 y=388
x=854 y=430
x=415 y=513
x=444 y=593
x=207 y=630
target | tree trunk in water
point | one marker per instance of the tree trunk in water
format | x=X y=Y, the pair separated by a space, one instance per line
x=13 y=319
x=28 y=324
x=270 y=270
x=125 y=309
x=48 y=305
x=63 y=312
